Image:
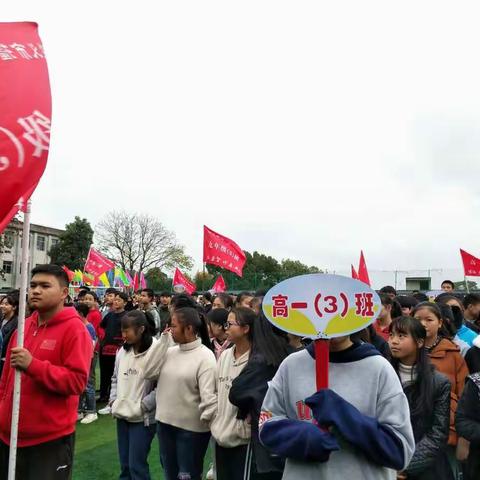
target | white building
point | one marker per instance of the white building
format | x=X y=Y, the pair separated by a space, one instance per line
x=42 y=240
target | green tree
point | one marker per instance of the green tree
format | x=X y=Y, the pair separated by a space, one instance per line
x=157 y=280
x=72 y=248
x=203 y=281
x=261 y=272
x=292 y=268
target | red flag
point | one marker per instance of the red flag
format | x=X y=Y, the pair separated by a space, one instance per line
x=222 y=252
x=69 y=273
x=135 y=282
x=25 y=115
x=471 y=264
x=143 y=282
x=354 y=273
x=362 y=270
x=180 y=280
x=219 y=285
x=96 y=263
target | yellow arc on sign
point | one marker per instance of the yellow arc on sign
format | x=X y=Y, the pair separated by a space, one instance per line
x=351 y=321
x=296 y=322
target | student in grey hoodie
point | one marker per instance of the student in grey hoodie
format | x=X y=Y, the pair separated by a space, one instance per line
x=132 y=398
x=359 y=428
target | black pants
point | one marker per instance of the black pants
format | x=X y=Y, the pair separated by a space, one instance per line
x=233 y=463
x=107 y=366
x=45 y=461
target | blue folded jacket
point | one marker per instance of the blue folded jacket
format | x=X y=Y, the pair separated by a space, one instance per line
x=298 y=440
x=377 y=442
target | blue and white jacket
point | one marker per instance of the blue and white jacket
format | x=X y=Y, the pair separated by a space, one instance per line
x=367 y=432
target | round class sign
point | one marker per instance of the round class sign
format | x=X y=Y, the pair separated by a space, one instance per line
x=321 y=306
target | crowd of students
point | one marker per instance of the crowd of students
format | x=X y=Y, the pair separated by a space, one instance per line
x=403 y=400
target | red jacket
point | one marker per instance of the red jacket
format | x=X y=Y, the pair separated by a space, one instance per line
x=58 y=374
x=95 y=318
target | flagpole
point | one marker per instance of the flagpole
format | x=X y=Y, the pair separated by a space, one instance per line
x=466 y=284
x=203 y=278
x=20 y=334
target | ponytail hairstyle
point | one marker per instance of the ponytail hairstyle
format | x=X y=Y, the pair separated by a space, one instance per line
x=189 y=316
x=435 y=310
x=246 y=316
x=396 y=310
x=138 y=319
x=421 y=399
x=449 y=327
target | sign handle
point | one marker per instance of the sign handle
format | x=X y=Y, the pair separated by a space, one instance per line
x=322 y=354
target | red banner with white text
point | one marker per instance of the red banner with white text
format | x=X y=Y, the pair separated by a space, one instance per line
x=222 y=252
x=25 y=116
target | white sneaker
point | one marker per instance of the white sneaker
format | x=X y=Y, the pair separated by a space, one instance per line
x=89 y=418
x=79 y=416
x=105 y=410
x=210 y=475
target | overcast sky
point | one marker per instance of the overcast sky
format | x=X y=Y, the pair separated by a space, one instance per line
x=304 y=129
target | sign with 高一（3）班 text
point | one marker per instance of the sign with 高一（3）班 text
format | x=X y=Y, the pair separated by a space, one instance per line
x=321 y=305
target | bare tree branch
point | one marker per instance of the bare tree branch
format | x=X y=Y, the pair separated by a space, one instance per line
x=139 y=242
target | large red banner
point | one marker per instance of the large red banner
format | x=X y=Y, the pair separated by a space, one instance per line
x=471 y=264
x=97 y=264
x=25 y=116
x=222 y=252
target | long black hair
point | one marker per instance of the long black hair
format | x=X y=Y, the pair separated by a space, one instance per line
x=138 y=319
x=421 y=390
x=189 y=316
x=269 y=343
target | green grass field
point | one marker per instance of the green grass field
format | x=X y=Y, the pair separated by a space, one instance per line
x=96 y=456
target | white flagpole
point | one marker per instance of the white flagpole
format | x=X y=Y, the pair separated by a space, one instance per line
x=20 y=334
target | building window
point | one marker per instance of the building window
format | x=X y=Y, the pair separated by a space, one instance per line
x=54 y=241
x=41 y=243
x=7 y=267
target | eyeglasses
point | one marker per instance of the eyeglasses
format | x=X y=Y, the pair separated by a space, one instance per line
x=227 y=325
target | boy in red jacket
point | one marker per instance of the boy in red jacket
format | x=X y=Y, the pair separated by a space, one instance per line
x=55 y=362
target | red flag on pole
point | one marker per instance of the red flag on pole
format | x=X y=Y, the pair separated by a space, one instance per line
x=96 y=263
x=354 y=273
x=135 y=282
x=471 y=264
x=362 y=270
x=143 y=282
x=219 y=285
x=180 y=280
x=222 y=252
x=25 y=115
x=69 y=273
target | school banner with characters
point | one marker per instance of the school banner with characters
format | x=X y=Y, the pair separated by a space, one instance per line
x=25 y=114
x=321 y=306
x=222 y=252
